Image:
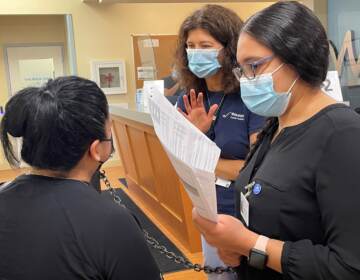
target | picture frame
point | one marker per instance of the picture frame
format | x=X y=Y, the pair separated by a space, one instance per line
x=110 y=75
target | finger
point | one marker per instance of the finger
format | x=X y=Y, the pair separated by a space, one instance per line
x=186 y=104
x=200 y=100
x=212 y=111
x=192 y=98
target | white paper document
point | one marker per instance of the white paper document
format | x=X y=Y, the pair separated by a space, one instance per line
x=149 y=88
x=192 y=154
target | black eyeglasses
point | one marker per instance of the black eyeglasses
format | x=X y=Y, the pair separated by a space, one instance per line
x=112 y=144
x=249 y=69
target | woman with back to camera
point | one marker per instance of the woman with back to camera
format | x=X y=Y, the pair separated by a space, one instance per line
x=206 y=55
x=299 y=190
x=53 y=223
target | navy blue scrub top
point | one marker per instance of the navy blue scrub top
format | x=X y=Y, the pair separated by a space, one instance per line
x=234 y=125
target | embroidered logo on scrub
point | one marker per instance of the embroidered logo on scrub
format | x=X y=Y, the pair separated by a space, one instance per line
x=234 y=116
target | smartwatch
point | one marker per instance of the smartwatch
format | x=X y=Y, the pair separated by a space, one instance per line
x=258 y=256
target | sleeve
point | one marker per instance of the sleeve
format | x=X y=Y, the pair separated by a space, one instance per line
x=255 y=123
x=127 y=255
x=180 y=103
x=169 y=82
x=338 y=194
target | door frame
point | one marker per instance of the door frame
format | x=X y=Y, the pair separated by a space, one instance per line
x=29 y=45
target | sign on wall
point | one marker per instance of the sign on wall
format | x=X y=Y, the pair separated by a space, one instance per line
x=346 y=58
x=332 y=87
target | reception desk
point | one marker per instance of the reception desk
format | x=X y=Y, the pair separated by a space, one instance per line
x=150 y=176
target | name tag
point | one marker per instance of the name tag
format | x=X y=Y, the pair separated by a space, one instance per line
x=222 y=182
x=244 y=209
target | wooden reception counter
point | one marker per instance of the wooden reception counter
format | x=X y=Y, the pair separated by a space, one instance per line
x=150 y=176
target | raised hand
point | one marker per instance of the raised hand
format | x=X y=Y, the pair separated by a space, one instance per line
x=196 y=112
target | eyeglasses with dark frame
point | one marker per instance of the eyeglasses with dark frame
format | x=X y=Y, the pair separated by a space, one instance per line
x=112 y=144
x=249 y=69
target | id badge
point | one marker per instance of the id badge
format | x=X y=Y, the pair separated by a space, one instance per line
x=244 y=209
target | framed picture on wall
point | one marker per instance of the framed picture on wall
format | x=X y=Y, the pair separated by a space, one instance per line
x=110 y=75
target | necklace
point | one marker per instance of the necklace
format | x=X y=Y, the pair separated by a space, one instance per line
x=218 y=108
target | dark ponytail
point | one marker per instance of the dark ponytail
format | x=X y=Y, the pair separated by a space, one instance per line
x=57 y=122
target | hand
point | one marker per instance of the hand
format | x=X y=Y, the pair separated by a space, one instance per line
x=229 y=258
x=196 y=112
x=227 y=234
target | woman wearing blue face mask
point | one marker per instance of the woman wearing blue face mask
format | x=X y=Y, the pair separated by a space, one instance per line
x=206 y=56
x=297 y=196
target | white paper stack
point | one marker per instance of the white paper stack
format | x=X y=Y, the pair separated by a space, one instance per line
x=193 y=155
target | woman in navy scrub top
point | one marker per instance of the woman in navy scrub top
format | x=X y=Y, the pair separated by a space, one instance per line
x=298 y=194
x=205 y=58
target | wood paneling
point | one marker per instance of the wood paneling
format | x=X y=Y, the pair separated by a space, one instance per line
x=120 y=129
x=153 y=181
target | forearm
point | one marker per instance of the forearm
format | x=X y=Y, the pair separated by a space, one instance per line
x=273 y=250
x=228 y=169
x=171 y=91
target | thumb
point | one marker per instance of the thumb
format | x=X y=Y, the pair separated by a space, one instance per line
x=203 y=225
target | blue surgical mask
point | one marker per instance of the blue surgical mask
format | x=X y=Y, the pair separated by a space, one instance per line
x=203 y=62
x=260 y=97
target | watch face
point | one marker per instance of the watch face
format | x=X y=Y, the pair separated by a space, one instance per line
x=257 y=259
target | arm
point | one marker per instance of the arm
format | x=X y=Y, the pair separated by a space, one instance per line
x=229 y=169
x=171 y=91
x=233 y=240
x=337 y=192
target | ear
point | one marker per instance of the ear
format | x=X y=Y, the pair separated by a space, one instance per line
x=94 y=150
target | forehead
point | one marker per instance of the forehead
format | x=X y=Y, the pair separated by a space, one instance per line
x=199 y=34
x=249 y=49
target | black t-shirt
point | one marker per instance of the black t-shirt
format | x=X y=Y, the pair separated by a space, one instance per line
x=307 y=194
x=62 y=229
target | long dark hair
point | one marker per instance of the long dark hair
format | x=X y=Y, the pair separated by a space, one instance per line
x=224 y=26
x=297 y=37
x=57 y=122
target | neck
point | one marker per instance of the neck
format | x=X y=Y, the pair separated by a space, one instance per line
x=305 y=103
x=214 y=83
x=74 y=174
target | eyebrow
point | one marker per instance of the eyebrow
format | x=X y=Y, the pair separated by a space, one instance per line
x=252 y=59
x=201 y=42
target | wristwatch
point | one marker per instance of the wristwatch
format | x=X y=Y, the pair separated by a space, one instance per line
x=258 y=256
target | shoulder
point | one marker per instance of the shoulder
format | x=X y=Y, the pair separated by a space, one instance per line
x=342 y=117
x=339 y=128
